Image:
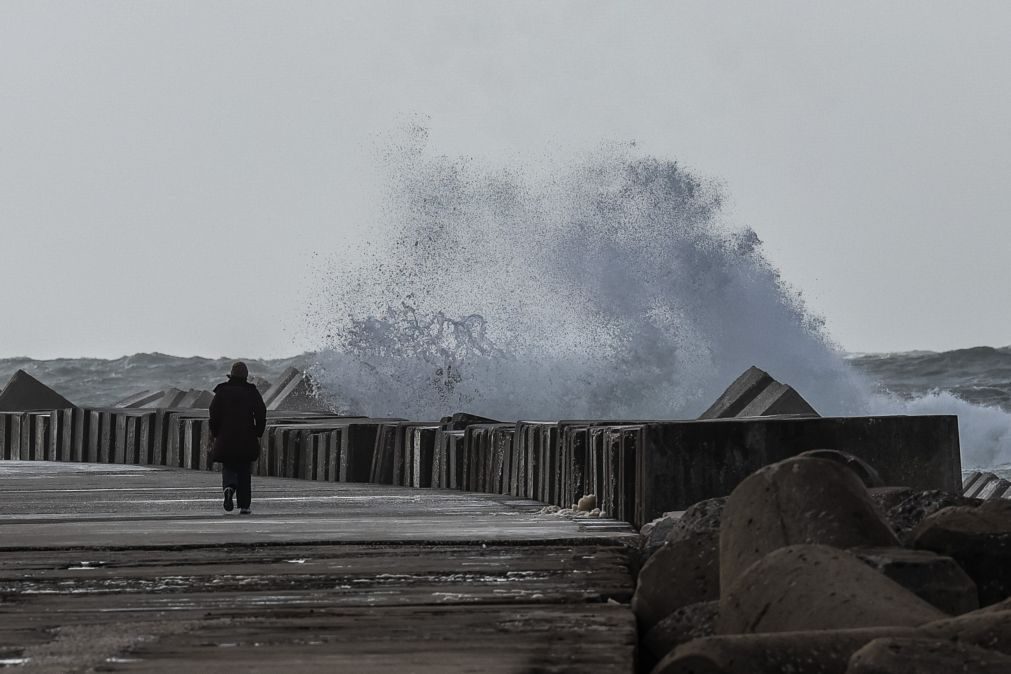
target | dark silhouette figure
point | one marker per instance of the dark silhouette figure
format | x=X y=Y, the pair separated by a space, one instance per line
x=238 y=419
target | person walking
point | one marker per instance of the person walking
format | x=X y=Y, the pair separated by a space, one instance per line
x=238 y=419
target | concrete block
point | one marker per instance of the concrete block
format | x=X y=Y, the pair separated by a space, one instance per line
x=14 y=435
x=307 y=455
x=969 y=478
x=461 y=420
x=755 y=393
x=119 y=451
x=319 y=447
x=41 y=432
x=142 y=399
x=294 y=391
x=107 y=435
x=65 y=433
x=24 y=393
x=27 y=450
x=357 y=449
x=994 y=489
x=984 y=481
x=455 y=465
x=145 y=439
x=91 y=452
x=777 y=399
x=5 y=442
x=741 y=391
x=681 y=463
x=387 y=464
x=333 y=455
x=79 y=439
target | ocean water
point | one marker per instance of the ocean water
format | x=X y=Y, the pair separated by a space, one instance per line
x=606 y=286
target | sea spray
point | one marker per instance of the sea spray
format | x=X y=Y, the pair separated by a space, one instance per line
x=607 y=287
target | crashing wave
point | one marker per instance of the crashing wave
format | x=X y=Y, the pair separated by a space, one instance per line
x=609 y=287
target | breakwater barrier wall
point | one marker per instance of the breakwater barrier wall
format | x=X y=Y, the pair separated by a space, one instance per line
x=637 y=469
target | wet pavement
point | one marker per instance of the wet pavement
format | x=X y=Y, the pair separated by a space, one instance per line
x=128 y=568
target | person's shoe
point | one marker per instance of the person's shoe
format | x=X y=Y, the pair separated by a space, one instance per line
x=229 y=493
x=245 y=511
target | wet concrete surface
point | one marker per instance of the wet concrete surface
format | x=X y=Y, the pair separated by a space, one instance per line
x=125 y=568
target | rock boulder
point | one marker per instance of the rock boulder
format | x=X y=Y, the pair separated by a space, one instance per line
x=904 y=516
x=863 y=470
x=936 y=579
x=978 y=538
x=813 y=652
x=686 y=623
x=683 y=571
x=902 y=655
x=810 y=587
x=799 y=500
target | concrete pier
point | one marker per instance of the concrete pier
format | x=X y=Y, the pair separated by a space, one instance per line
x=131 y=568
x=637 y=469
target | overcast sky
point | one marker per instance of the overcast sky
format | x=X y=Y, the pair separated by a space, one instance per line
x=168 y=169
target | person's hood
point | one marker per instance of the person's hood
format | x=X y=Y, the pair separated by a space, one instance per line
x=233 y=382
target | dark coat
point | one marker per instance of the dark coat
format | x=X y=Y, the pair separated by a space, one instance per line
x=238 y=419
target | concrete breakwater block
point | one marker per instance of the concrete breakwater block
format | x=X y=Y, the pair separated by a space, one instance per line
x=682 y=462
x=801 y=652
x=904 y=516
x=755 y=394
x=936 y=579
x=169 y=398
x=24 y=392
x=799 y=500
x=294 y=391
x=404 y=454
x=683 y=571
x=988 y=486
x=899 y=655
x=693 y=621
x=978 y=538
x=817 y=587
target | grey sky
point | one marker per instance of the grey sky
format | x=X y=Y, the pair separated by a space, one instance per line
x=151 y=152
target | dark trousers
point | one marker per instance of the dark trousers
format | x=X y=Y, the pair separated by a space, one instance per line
x=238 y=476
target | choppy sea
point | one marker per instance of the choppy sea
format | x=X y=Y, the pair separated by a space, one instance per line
x=979 y=375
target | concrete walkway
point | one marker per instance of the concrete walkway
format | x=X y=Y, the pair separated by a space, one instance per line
x=128 y=568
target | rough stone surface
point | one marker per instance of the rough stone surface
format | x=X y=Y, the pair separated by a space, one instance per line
x=686 y=623
x=902 y=655
x=936 y=579
x=682 y=572
x=887 y=498
x=863 y=470
x=799 y=500
x=702 y=516
x=705 y=515
x=24 y=392
x=654 y=534
x=809 y=652
x=984 y=628
x=1004 y=605
x=804 y=587
x=979 y=539
x=904 y=516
